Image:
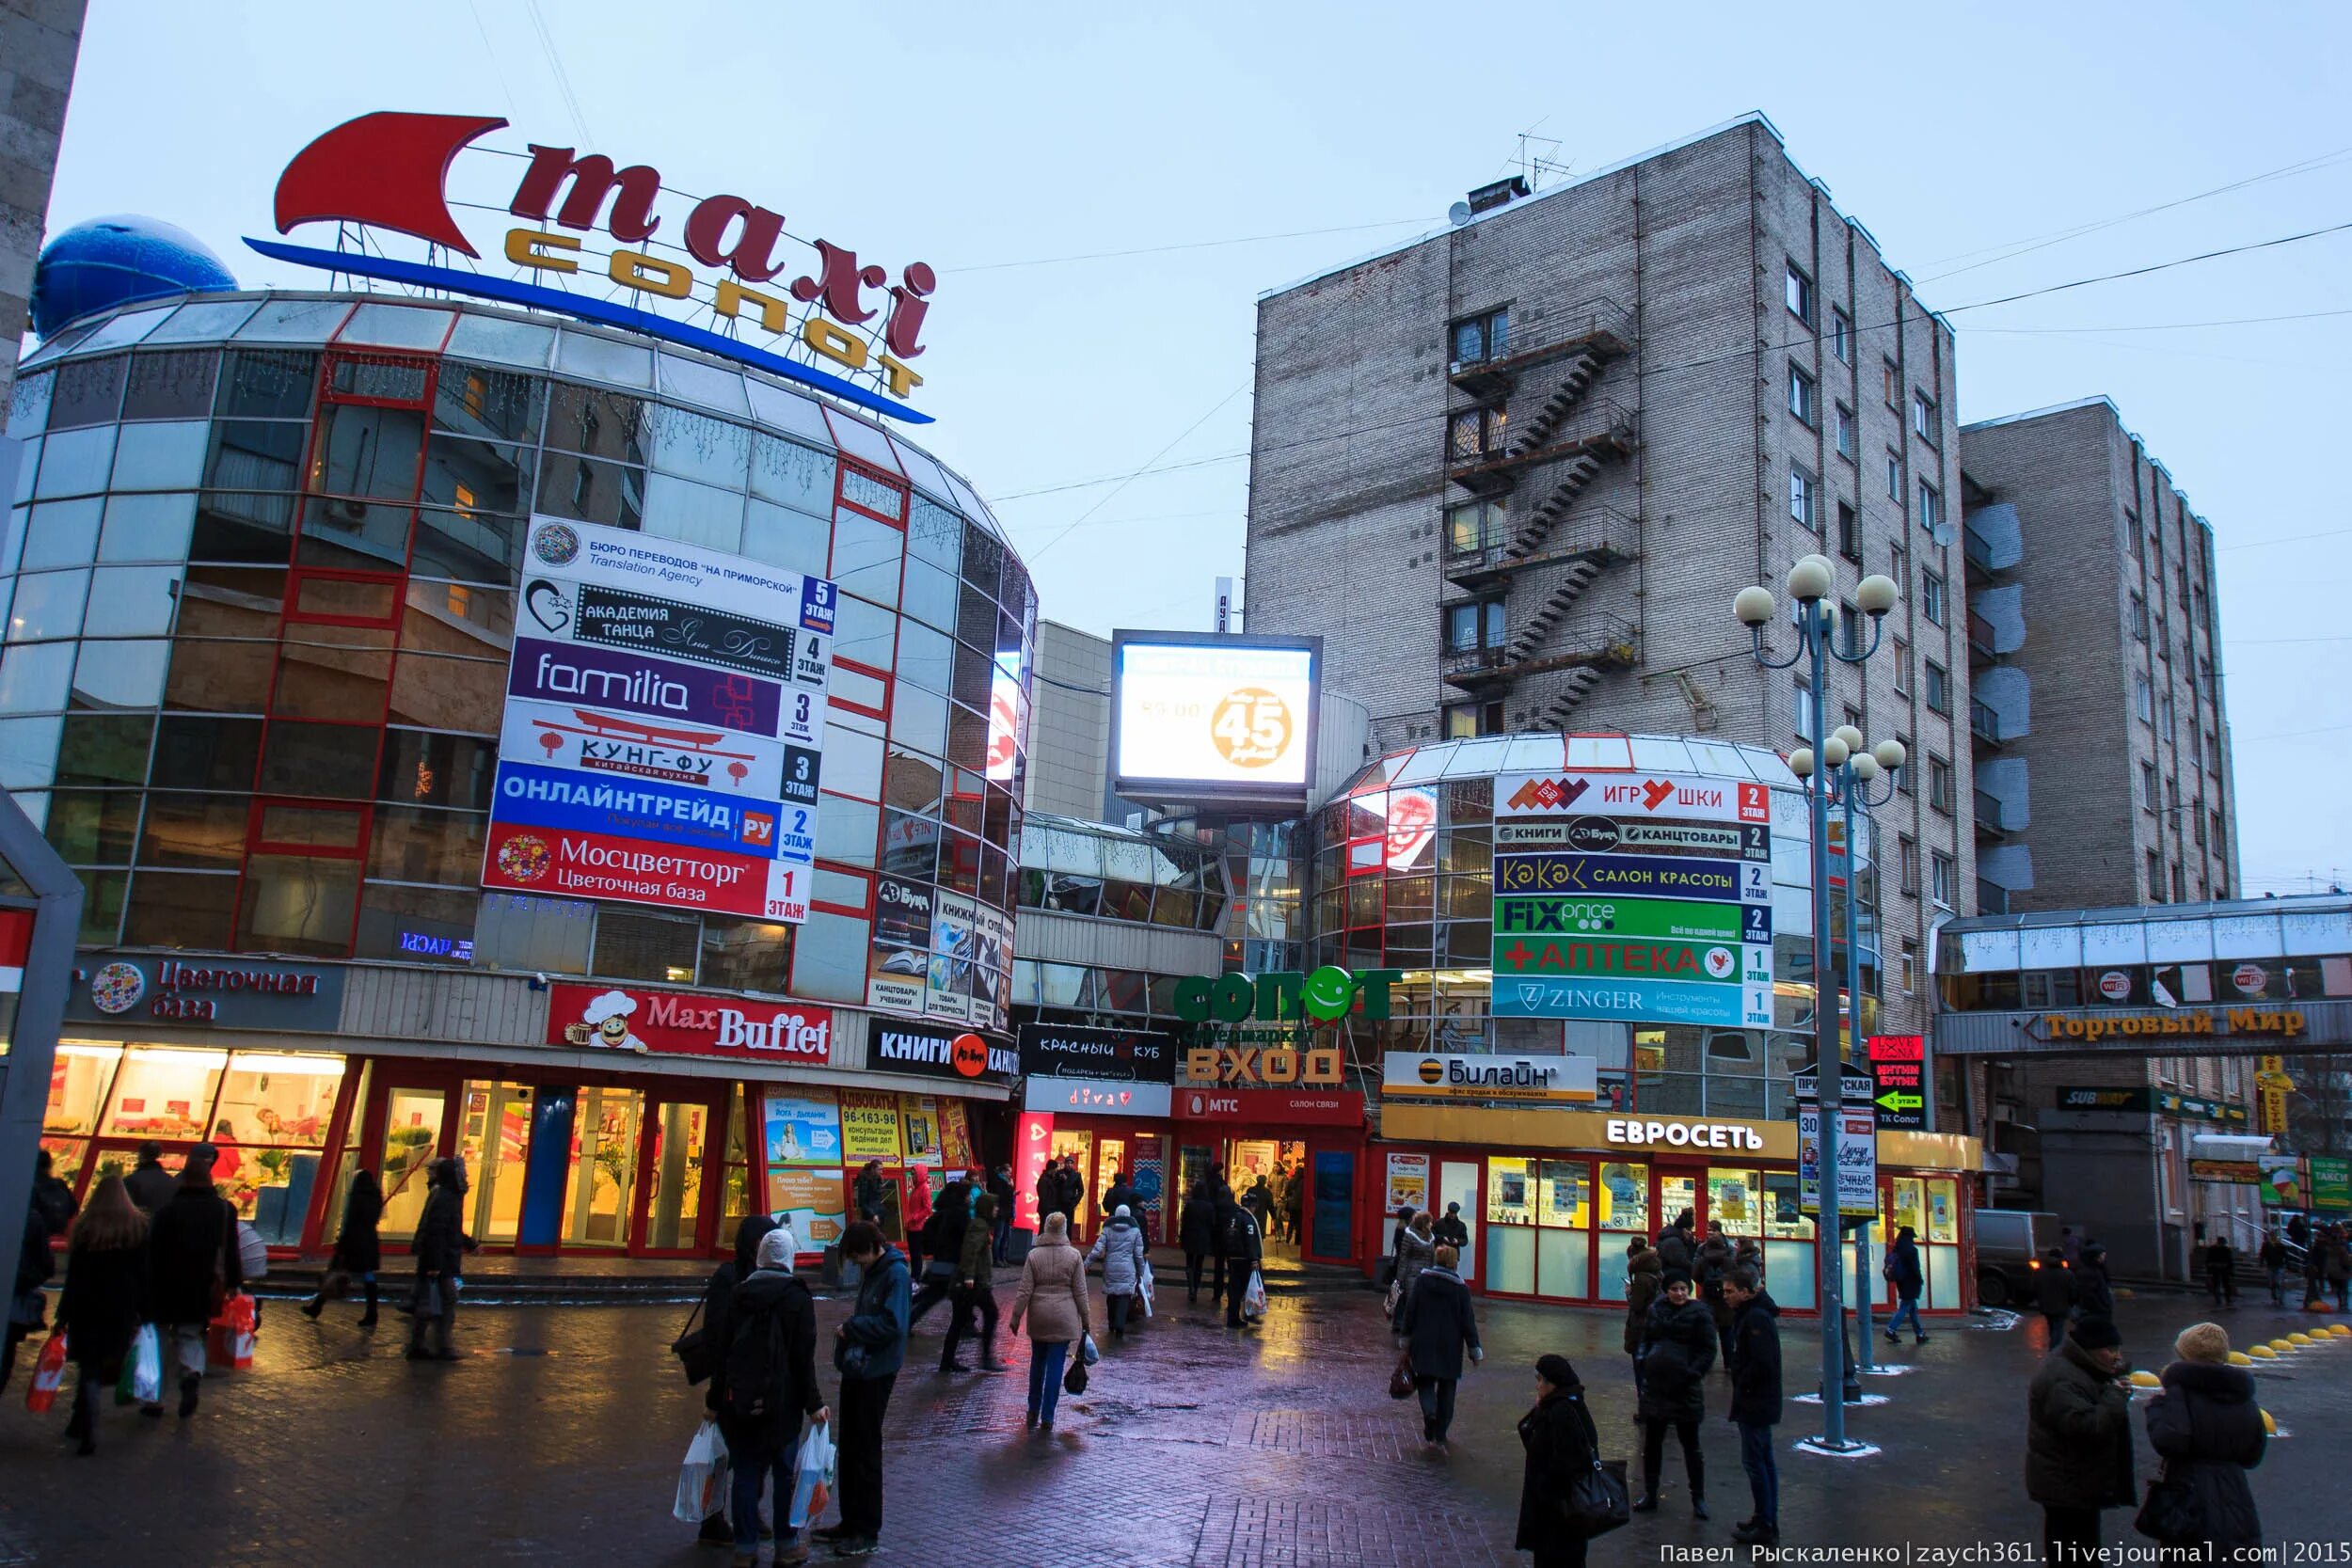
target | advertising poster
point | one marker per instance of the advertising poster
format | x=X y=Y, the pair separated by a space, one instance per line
x=918 y=1118
x=1032 y=1146
x=2331 y=1184
x=1857 y=1160
x=1408 y=1181
x=1213 y=713
x=811 y=1200
x=990 y=978
x=954 y=942
x=2283 y=1185
x=955 y=1136
x=663 y=727
x=869 y=1127
x=899 y=976
x=801 y=1127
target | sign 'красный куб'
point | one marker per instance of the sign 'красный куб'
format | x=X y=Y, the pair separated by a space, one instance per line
x=390 y=173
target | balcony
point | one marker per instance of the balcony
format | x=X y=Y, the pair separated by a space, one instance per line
x=1599 y=329
x=1982 y=648
x=1595 y=430
x=1473 y=668
x=1985 y=723
x=1598 y=644
x=1992 y=898
x=1597 y=533
x=1995 y=818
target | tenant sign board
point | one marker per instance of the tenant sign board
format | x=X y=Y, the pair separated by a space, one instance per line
x=664 y=728
x=1539 y=1080
x=1271 y=1107
x=1096 y=1097
x=1634 y=896
x=1898 y=1071
x=1111 y=1055
x=234 y=992
x=957 y=1056
x=681 y=1024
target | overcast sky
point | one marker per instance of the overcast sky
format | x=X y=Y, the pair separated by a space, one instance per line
x=1010 y=147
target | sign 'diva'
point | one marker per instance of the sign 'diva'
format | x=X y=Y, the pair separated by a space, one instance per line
x=388 y=172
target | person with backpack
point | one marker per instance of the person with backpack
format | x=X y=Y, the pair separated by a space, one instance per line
x=1120 y=1249
x=869 y=1347
x=1903 y=1271
x=718 y=1300
x=1562 y=1448
x=358 y=1251
x=104 y=1300
x=192 y=1269
x=1196 y=1229
x=1053 y=1300
x=764 y=1383
x=1245 y=1249
x=1755 y=1400
x=975 y=1291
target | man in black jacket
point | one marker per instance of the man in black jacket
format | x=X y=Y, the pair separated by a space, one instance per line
x=193 y=1267
x=1755 y=1400
x=1451 y=1231
x=149 y=1184
x=2078 y=1438
x=1000 y=1188
x=765 y=1382
x=441 y=1246
x=943 y=1246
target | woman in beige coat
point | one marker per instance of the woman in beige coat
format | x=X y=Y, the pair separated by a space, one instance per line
x=1052 y=1297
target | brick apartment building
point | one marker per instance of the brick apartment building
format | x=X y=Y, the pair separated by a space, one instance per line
x=2071 y=524
x=1514 y=472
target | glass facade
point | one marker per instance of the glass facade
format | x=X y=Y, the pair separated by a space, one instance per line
x=260 y=574
x=1104 y=873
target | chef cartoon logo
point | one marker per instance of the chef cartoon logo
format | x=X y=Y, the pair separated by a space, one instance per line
x=605 y=1022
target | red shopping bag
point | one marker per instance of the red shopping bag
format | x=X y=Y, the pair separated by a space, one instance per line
x=47 y=1373
x=229 y=1337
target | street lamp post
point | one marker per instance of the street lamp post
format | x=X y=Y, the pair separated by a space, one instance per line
x=1854 y=787
x=1810 y=582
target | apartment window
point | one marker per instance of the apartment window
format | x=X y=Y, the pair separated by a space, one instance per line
x=1931 y=507
x=2148 y=785
x=1849 y=630
x=1849 y=438
x=1465 y=719
x=1804 y=495
x=1923 y=421
x=1931 y=596
x=2164 y=718
x=1940 y=876
x=2143 y=700
x=2185 y=584
x=1474 y=526
x=1848 y=532
x=1907 y=854
x=1800 y=395
x=1898 y=560
x=2197 y=815
x=2139 y=618
x=1906 y=778
x=1894 y=384
x=1474 y=434
x=1939 y=692
x=2134 y=540
x=2172 y=796
x=2180 y=889
x=2217 y=836
x=1902 y=668
x=1471 y=627
x=1910 y=972
x=1841 y=335
x=1894 y=476
x=1800 y=295
x=1939 y=782
x=2155 y=878
x=2199 y=614
x=2213 y=753
x=1486 y=337
x=1854 y=715
x=1802 y=696
x=2204 y=676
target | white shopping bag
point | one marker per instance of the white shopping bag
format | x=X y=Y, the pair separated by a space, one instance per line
x=1087 y=1354
x=812 y=1483
x=147 y=1366
x=1253 y=1299
x=702 y=1481
x=1143 y=1286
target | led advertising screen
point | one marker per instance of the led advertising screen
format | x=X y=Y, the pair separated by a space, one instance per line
x=1219 y=719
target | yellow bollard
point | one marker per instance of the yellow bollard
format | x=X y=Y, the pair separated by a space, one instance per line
x=2298 y=1338
x=2268 y=1425
x=2281 y=1346
x=2239 y=1358
x=2339 y=1331
x=2262 y=1353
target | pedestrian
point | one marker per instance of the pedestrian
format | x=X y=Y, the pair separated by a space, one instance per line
x=1259 y=1200
x=1073 y=1194
x=1222 y=1208
x=1000 y=1188
x=914 y=1212
x=975 y=1293
x=2340 y=1267
x=1438 y=1325
x=1714 y=1263
x=2221 y=1271
x=2315 y=1271
x=104 y=1300
x=1561 y=1449
x=1397 y=1235
x=1196 y=1231
x=2208 y=1431
x=357 y=1252
x=1643 y=1275
x=441 y=1246
x=2094 y=1296
x=1048 y=1194
x=192 y=1269
x=1677 y=1347
x=2078 y=1438
x=47 y=1214
x=1052 y=1299
x=870 y=1192
x=2054 y=1293
x=764 y=1383
x=1676 y=1249
x=1244 y=1249
x=869 y=1347
x=717 y=1530
x=1119 y=1195
x=2299 y=1233
x=1755 y=1400
x=1120 y=1246
x=1295 y=1207
x=1451 y=1229
x=150 y=1184
x=1902 y=1268
x=943 y=1247
x=1748 y=1255
x=2273 y=1258
x=2070 y=1246
x=1416 y=1251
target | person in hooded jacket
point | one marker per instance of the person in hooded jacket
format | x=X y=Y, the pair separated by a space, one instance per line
x=2094 y=1296
x=1119 y=1195
x=764 y=1385
x=1755 y=1400
x=441 y=1246
x=193 y=1268
x=106 y=1299
x=1438 y=1325
x=1644 y=1277
x=150 y=1184
x=1678 y=1345
x=2078 y=1438
x=1903 y=1269
x=1562 y=1446
x=2208 y=1431
x=2054 y=1294
x=358 y=1253
x=718 y=1299
x=973 y=1313
x=1119 y=1247
x=1053 y=1300
x=1245 y=1249
x=1676 y=1249
x=869 y=1347
x=1196 y=1229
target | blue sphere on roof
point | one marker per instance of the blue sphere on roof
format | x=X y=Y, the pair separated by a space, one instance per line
x=112 y=261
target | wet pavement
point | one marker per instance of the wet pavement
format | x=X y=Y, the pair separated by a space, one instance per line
x=558 y=1439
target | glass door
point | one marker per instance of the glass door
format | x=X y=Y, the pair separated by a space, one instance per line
x=1458 y=1182
x=493 y=1138
x=670 y=1219
x=412 y=1140
x=603 y=1175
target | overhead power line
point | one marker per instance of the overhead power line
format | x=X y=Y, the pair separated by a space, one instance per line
x=1186 y=245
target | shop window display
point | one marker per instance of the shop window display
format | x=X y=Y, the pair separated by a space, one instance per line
x=1563 y=1250
x=164 y=1094
x=1510 y=1218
